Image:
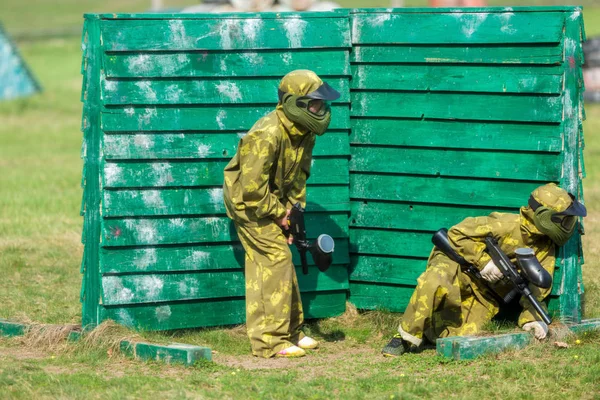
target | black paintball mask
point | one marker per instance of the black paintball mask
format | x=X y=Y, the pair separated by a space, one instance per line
x=559 y=226
x=298 y=108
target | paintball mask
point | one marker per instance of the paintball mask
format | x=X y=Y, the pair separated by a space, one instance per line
x=310 y=110
x=547 y=202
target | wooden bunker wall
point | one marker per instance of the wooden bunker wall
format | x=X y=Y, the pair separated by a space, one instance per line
x=174 y=96
x=452 y=114
x=457 y=113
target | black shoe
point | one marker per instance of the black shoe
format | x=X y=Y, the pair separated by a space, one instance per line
x=396 y=347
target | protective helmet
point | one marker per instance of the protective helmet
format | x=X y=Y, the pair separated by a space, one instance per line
x=297 y=90
x=555 y=212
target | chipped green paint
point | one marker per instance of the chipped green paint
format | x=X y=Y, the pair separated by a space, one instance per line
x=290 y=31
x=465 y=54
x=389 y=27
x=444 y=105
x=198 y=118
x=176 y=95
x=213 y=312
x=441 y=190
x=150 y=202
x=568 y=304
x=200 y=91
x=207 y=257
x=171 y=145
x=219 y=64
x=542 y=167
x=202 y=173
x=452 y=134
x=159 y=288
x=470 y=347
x=179 y=230
x=173 y=353
x=458 y=78
x=460 y=115
x=10 y=329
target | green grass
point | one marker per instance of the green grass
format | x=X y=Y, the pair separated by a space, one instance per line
x=40 y=253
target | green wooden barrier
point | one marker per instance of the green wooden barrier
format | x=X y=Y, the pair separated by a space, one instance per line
x=166 y=100
x=444 y=114
x=456 y=113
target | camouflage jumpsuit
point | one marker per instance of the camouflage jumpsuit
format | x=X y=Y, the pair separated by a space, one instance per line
x=447 y=302
x=264 y=179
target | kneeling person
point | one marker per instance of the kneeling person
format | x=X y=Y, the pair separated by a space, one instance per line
x=449 y=302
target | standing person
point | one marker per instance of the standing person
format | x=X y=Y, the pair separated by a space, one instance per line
x=448 y=302
x=264 y=179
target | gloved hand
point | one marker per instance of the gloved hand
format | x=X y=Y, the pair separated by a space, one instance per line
x=540 y=329
x=491 y=273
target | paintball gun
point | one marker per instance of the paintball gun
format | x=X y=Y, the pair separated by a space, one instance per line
x=321 y=250
x=531 y=269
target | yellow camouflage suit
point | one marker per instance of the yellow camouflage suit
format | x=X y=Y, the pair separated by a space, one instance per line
x=447 y=302
x=266 y=177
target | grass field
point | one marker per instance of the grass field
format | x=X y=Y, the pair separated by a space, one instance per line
x=40 y=254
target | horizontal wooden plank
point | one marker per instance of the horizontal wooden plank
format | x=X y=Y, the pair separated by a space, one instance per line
x=459 y=78
x=377 y=296
x=157 y=288
x=390 y=243
x=192 y=258
x=213 y=312
x=216 y=64
x=225 y=34
x=457 y=134
x=201 y=145
x=202 y=91
x=159 y=231
x=150 y=202
x=482 y=27
x=440 y=190
x=476 y=164
x=204 y=173
x=233 y=118
x=390 y=270
x=551 y=54
x=427 y=217
x=506 y=107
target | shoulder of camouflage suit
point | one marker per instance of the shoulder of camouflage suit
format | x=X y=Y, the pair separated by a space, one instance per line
x=468 y=236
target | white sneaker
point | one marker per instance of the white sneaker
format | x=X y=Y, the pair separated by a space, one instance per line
x=293 y=351
x=308 y=343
